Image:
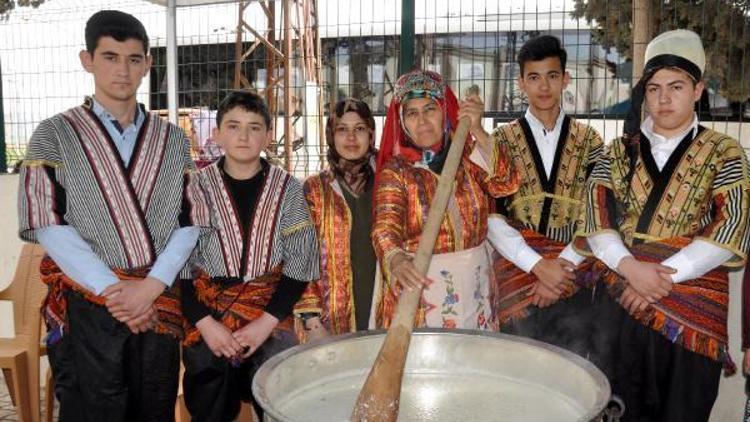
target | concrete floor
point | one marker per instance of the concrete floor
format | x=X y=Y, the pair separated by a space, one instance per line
x=7 y=411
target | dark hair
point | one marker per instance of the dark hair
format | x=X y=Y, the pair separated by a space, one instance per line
x=248 y=101
x=345 y=106
x=118 y=25
x=539 y=48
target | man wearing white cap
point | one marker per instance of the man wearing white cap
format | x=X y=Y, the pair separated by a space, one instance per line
x=667 y=216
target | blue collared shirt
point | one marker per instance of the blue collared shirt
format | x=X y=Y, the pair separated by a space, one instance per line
x=124 y=138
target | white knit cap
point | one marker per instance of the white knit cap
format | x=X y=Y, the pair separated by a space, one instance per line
x=678 y=48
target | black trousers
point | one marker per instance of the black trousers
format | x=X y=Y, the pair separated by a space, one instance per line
x=586 y=323
x=661 y=381
x=214 y=389
x=104 y=372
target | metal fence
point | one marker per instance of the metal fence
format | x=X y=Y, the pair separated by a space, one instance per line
x=341 y=48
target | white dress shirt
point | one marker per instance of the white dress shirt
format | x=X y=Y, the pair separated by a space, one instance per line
x=692 y=261
x=661 y=147
x=508 y=241
x=546 y=140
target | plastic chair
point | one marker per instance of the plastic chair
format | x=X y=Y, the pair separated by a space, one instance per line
x=19 y=356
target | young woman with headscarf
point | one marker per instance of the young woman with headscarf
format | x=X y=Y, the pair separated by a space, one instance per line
x=340 y=200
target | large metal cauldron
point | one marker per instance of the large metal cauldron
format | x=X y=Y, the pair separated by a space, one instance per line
x=456 y=376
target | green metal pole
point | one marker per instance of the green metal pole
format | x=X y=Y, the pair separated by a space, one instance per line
x=3 y=157
x=406 y=48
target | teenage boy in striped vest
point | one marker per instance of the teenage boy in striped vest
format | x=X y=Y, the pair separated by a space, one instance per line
x=250 y=270
x=100 y=188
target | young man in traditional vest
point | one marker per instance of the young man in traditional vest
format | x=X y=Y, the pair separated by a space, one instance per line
x=667 y=216
x=253 y=267
x=535 y=293
x=100 y=188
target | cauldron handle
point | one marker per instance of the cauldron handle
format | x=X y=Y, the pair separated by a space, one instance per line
x=615 y=410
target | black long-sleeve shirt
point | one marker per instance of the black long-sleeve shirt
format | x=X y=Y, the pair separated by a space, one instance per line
x=245 y=195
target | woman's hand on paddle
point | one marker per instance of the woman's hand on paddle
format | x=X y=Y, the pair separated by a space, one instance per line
x=650 y=280
x=315 y=329
x=218 y=338
x=553 y=273
x=746 y=362
x=632 y=301
x=129 y=299
x=404 y=272
x=473 y=108
x=255 y=333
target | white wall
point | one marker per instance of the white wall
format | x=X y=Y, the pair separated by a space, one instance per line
x=10 y=245
x=730 y=405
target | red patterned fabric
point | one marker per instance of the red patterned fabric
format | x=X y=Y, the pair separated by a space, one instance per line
x=401 y=203
x=331 y=296
x=237 y=305
x=746 y=308
x=54 y=308
x=511 y=289
x=694 y=314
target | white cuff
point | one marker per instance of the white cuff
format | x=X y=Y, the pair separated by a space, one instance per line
x=682 y=264
x=510 y=243
x=608 y=248
x=527 y=258
x=696 y=259
x=569 y=254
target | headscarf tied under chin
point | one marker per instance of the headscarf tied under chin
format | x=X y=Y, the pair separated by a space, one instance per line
x=355 y=173
x=396 y=139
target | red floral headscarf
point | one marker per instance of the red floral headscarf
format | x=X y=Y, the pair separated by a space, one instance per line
x=396 y=140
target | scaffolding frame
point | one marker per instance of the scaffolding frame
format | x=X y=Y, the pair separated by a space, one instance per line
x=298 y=47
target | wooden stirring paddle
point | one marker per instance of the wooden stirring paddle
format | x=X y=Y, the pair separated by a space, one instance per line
x=379 y=398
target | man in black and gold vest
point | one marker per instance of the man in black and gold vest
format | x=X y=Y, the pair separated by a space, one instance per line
x=667 y=216
x=537 y=291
